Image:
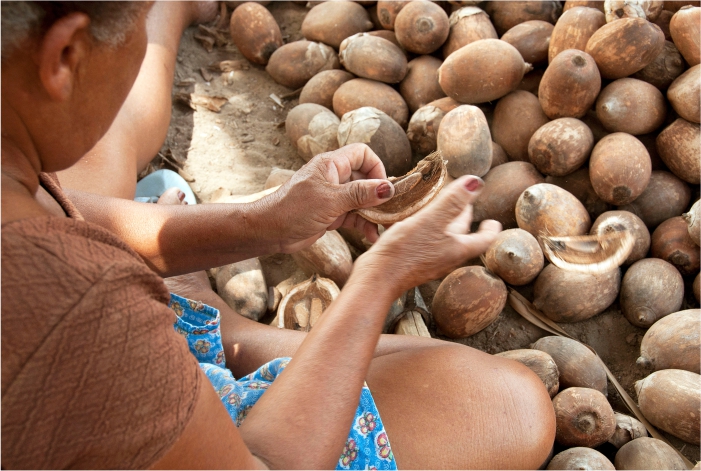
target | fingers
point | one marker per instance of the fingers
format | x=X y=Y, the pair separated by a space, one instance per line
x=453 y=200
x=357 y=222
x=461 y=224
x=363 y=194
x=354 y=161
x=478 y=242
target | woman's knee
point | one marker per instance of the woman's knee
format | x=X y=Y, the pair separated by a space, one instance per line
x=496 y=409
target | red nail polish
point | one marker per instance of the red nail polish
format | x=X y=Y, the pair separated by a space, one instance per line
x=473 y=184
x=181 y=195
x=383 y=190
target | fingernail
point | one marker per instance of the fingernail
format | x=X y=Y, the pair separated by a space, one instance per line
x=473 y=184
x=181 y=195
x=383 y=190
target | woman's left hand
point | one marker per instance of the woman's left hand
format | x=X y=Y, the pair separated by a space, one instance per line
x=320 y=196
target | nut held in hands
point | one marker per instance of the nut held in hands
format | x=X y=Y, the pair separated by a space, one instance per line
x=412 y=191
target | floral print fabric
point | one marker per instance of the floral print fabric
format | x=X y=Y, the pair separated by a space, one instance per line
x=367 y=445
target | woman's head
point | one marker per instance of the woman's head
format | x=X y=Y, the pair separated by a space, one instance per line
x=67 y=67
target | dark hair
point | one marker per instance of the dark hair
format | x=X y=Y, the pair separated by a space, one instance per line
x=109 y=21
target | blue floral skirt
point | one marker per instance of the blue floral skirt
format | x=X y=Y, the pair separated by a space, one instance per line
x=367 y=446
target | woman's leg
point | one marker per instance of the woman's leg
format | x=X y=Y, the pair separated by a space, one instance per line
x=453 y=407
x=139 y=130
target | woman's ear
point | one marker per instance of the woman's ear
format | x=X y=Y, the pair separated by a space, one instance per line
x=62 y=48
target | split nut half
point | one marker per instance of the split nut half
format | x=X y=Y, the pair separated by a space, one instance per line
x=412 y=191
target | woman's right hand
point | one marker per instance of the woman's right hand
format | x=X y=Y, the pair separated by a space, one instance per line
x=434 y=241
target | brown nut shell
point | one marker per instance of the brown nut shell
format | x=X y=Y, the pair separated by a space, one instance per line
x=506 y=15
x=464 y=141
x=561 y=146
x=531 y=39
x=423 y=126
x=516 y=117
x=570 y=85
x=569 y=296
x=673 y=342
x=627 y=429
x=322 y=86
x=685 y=93
x=540 y=363
x=277 y=177
x=482 y=71
x=545 y=209
x=646 y=9
x=499 y=157
x=304 y=303
x=373 y=58
x=332 y=22
x=357 y=93
x=467 y=301
x=671 y=400
x=573 y=30
x=312 y=129
x=467 y=25
x=651 y=289
x=531 y=81
x=611 y=221
x=255 y=32
x=583 y=418
x=671 y=242
x=579 y=184
x=625 y=46
x=663 y=22
x=242 y=286
x=693 y=221
x=619 y=168
x=503 y=186
x=580 y=458
x=329 y=257
x=686 y=31
x=664 y=69
x=293 y=64
x=647 y=452
x=597 y=4
x=421 y=27
x=515 y=256
x=578 y=366
x=679 y=146
x=412 y=192
x=666 y=196
x=420 y=85
x=381 y=133
x=631 y=106
x=387 y=11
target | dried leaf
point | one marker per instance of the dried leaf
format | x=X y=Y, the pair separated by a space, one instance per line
x=231 y=66
x=205 y=74
x=276 y=99
x=207 y=42
x=219 y=39
x=212 y=103
x=186 y=82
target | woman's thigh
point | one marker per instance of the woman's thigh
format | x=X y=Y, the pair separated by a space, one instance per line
x=456 y=407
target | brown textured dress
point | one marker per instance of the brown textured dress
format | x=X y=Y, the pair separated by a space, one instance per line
x=93 y=373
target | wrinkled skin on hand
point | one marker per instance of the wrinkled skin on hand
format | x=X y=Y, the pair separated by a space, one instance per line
x=434 y=241
x=320 y=196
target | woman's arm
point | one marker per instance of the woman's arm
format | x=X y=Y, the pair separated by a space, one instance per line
x=303 y=418
x=182 y=239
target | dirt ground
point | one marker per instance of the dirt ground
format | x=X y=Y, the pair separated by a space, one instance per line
x=234 y=150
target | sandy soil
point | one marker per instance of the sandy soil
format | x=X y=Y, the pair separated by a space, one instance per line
x=233 y=151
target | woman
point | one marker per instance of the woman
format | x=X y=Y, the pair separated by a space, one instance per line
x=94 y=374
